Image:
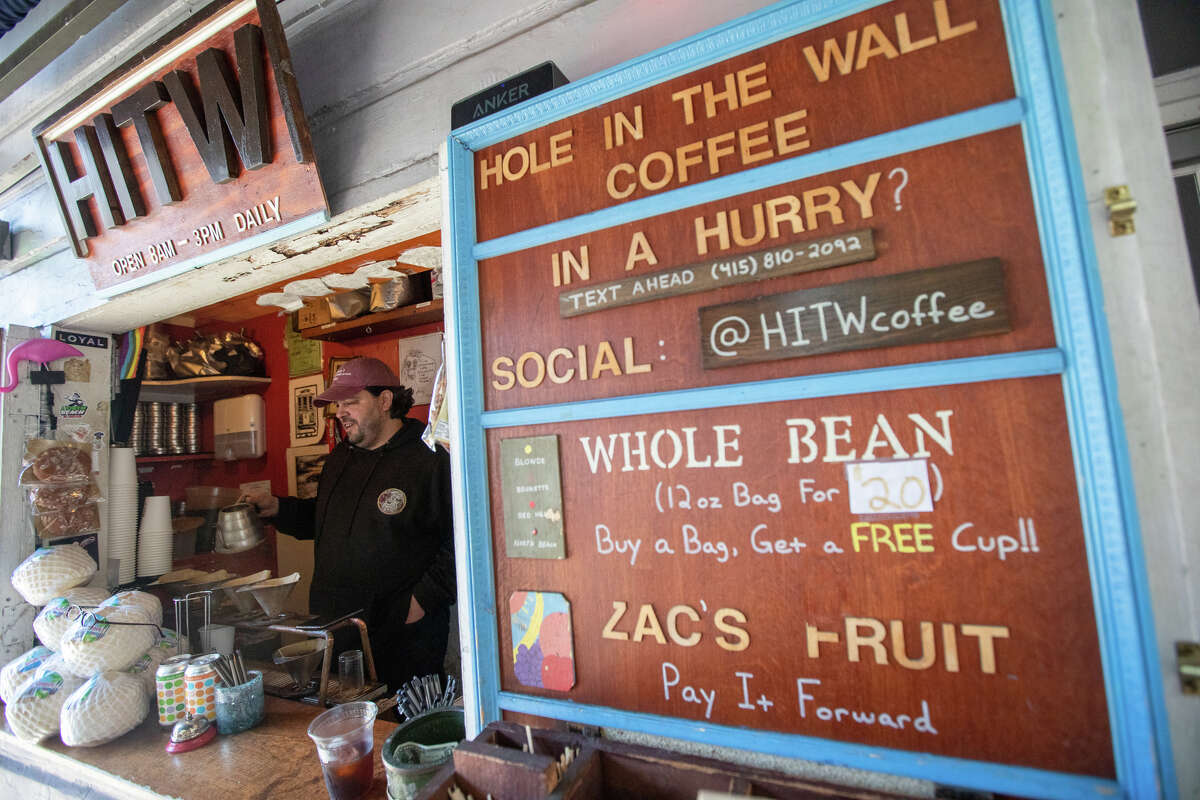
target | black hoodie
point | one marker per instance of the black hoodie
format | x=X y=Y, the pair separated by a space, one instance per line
x=383 y=533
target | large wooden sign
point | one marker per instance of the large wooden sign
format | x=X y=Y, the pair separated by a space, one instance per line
x=787 y=317
x=862 y=75
x=195 y=149
x=718 y=571
x=918 y=220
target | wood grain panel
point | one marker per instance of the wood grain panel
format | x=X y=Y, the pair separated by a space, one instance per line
x=788 y=259
x=997 y=569
x=296 y=185
x=245 y=306
x=939 y=304
x=963 y=201
x=231 y=767
x=902 y=68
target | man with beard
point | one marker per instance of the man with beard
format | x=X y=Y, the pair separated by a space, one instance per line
x=382 y=524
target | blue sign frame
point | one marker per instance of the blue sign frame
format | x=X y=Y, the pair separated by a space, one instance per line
x=1083 y=358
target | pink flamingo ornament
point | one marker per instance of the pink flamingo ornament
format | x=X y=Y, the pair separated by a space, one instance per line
x=43 y=351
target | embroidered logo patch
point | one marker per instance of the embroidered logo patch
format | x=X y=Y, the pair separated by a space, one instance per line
x=391 y=501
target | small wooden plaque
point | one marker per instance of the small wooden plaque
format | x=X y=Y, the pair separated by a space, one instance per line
x=533 y=507
x=929 y=305
x=774 y=262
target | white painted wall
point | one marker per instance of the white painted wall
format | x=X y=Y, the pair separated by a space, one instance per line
x=378 y=78
x=1154 y=321
x=18 y=417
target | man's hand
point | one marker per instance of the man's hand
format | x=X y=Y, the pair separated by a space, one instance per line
x=415 y=612
x=266 y=503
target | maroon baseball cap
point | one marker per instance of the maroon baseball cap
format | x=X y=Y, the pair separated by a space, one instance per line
x=354 y=376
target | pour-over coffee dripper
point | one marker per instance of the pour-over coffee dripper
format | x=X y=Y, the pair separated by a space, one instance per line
x=243 y=600
x=272 y=594
x=301 y=659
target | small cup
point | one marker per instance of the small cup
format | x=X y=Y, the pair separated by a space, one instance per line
x=156 y=513
x=350 y=670
x=122 y=469
x=344 y=736
x=240 y=708
x=217 y=639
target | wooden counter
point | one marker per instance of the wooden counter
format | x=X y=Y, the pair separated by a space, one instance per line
x=275 y=759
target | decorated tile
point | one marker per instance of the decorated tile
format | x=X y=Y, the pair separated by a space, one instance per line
x=543 y=653
x=533 y=508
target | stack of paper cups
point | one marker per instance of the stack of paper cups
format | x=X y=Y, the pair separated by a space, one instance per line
x=155 y=538
x=123 y=511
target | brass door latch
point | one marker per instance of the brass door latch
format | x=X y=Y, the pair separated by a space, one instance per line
x=1187 y=658
x=1121 y=206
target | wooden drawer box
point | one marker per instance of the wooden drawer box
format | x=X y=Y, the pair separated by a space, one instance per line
x=494 y=763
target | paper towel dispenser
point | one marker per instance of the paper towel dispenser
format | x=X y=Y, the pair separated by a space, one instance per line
x=239 y=427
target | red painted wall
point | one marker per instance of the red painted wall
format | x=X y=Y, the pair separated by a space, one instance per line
x=268 y=331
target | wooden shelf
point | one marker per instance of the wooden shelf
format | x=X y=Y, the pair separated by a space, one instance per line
x=209 y=387
x=382 y=322
x=209 y=456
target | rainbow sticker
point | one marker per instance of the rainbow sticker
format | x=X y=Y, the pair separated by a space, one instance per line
x=131 y=352
x=543 y=656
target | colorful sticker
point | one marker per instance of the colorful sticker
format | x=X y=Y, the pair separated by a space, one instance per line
x=74 y=408
x=391 y=501
x=36 y=658
x=543 y=654
x=80 y=433
x=169 y=641
x=121 y=600
x=43 y=686
x=90 y=633
x=81 y=695
x=56 y=608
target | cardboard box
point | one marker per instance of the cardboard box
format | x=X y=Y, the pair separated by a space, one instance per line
x=315 y=312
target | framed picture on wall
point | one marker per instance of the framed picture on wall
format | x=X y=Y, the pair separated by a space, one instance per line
x=420 y=357
x=335 y=362
x=306 y=420
x=304 y=465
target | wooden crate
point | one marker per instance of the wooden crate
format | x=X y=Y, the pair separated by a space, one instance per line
x=494 y=763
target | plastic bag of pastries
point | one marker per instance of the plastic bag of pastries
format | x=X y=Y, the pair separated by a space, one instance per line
x=33 y=713
x=64 y=510
x=51 y=463
x=57 y=524
x=50 y=571
x=20 y=669
x=110 y=638
x=108 y=704
x=54 y=618
x=45 y=498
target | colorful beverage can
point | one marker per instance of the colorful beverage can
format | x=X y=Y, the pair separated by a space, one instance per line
x=168 y=683
x=200 y=680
